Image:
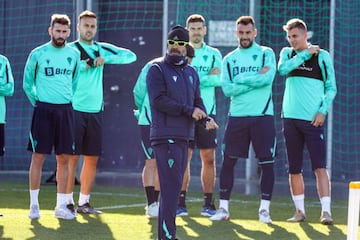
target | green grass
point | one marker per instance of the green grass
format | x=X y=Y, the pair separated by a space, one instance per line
x=124 y=219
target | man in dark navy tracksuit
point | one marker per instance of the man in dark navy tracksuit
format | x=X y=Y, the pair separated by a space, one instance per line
x=176 y=104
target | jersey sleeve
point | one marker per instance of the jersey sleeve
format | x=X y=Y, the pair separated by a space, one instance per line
x=328 y=72
x=140 y=90
x=213 y=80
x=116 y=55
x=7 y=86
x=228 y=86
x=29 y=78
x=287 y=63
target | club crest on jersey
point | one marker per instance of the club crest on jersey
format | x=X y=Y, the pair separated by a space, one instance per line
x=205 y=57
x=174 y=78
x=69 y=59
x=254 y=57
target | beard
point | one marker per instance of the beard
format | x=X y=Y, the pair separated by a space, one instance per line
x=245 y=43
x=58 y=42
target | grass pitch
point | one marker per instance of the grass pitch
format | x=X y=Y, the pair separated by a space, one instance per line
x=123 y=218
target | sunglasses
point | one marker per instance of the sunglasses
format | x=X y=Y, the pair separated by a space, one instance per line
x=177 y=43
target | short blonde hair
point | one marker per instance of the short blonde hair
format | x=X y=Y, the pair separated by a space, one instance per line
x=87 y=13
x=295 y=23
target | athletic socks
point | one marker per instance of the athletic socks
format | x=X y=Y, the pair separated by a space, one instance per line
x=299 y=202
x=61 y=199
x=150 y=194
x=70 y=198
x=264 y=205
x=156 y=194
x=182 y=198
x=208 y=199
x=34 y=196
x=325 y=204
x=224 y=204
x=83 y=199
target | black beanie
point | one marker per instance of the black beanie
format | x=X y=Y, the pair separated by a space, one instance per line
x=178 y=33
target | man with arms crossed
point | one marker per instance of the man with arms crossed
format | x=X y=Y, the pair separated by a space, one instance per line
x=207 y=62
x=88 y=106
x=248 y=74
x=310 y=89
x=50 y=75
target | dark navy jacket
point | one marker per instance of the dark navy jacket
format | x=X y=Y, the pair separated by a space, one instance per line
x=173 y=93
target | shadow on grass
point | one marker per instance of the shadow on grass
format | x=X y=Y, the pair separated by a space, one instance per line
x=2 y=233
x=93 y=228
x=310 y=230
x=230 y=229
x=235 y=231
x=153 y=222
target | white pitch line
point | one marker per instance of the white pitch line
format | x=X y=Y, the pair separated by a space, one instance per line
x=189 y=199
x=122 y=206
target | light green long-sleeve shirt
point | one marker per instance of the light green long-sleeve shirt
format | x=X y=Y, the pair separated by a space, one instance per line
x=304 y=97
x=250 y=92
x=6 y=85
x=88 y=96
x=141 y=96
x=205 y=59
x=51 y=74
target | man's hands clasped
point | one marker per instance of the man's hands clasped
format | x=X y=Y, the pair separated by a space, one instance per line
x=199 y=114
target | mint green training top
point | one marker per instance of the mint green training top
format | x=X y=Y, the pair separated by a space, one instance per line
x=6 y=85
x=250 y=92
x=51 y=74
x=141 y=97
x=205 y=59
x=304 y=97
x=88 y=96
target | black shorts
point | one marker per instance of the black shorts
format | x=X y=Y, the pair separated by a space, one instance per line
x=2 y=139
x=299 y=133
x=145 y=142
x=204 y=139
x=260 y=131
x=52 y=125
x=88 y=133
